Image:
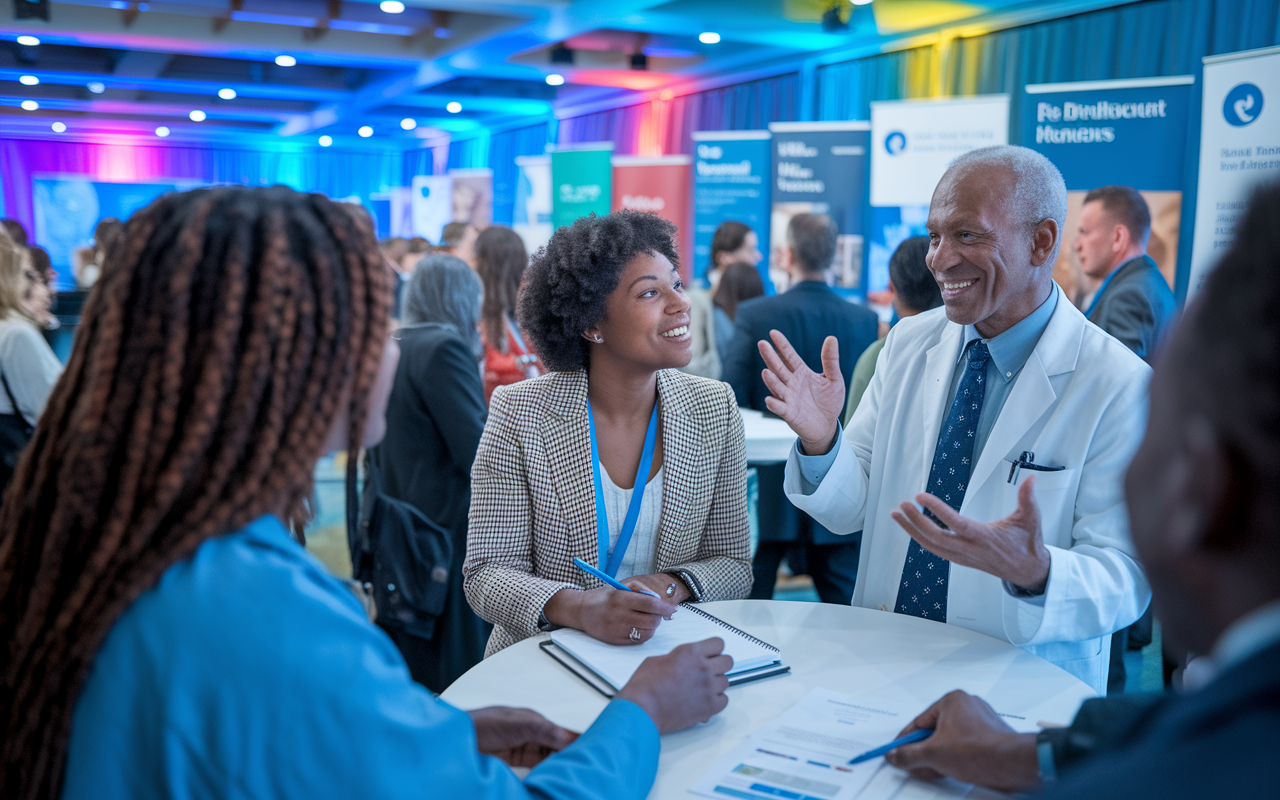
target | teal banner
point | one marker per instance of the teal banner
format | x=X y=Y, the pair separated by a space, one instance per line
x=582 y=183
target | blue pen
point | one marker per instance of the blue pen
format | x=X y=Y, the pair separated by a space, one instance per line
x=610 y=580
x=910 y=738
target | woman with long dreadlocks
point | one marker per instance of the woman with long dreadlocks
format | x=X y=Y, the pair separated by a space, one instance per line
x=163 y=634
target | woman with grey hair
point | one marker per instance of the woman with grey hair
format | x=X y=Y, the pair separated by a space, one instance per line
x=434 y=420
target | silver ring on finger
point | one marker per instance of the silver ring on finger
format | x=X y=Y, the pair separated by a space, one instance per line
x=634 y=635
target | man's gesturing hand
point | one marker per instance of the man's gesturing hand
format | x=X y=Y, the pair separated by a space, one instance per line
x=810 y=403
x=969 y=743
x=1011 y=549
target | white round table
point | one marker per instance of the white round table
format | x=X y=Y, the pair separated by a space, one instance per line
x=769 y=439
x=844 y=649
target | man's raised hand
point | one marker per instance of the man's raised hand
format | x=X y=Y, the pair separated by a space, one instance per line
x=810 y=403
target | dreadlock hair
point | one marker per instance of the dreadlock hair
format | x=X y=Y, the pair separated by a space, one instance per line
x=228 y=330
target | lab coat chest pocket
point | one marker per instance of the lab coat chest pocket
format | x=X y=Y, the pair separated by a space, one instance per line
x=1055 y=495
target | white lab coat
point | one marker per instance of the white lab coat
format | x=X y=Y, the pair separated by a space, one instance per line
x=1080 y=403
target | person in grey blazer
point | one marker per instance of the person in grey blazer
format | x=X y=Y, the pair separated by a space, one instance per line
x=1134 y=302
x=606 y=311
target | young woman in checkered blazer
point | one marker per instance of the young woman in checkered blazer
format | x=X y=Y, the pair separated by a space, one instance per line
x=606 y=310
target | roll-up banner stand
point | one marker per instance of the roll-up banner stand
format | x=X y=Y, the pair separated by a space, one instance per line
x=912 y=142
x=1239 y=148
x=472 y=199
x=1124 y=132
x=660 y=185
x=731 y=181
x=532 y=218
x=432 y=205
x=581 y=179
x=821 y=168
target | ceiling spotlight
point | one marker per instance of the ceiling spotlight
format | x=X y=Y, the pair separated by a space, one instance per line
x=286 y=61
x=392 y=6
x=59 y=127
x=29 y=80
x=97 y=87
x=453 y=107
x=861 y=2
x=555 y=79
x=832 y=22
x=197 y=115
x=30 y=105
x=560 y=54
x=709 y=37
x=325 y=141
x=29 y=41
x=162 y=131
x=365 y=131
x=639 y=61
x=408 y=123
x=227 y=94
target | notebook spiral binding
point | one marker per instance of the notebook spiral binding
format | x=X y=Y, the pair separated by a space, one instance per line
x=734 y=628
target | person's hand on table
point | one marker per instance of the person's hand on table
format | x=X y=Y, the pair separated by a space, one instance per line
x=969 y=743
x=519 y=736
x=810 y=403
x=1011 y=549
x=609 y=615
x=682 y=688
x=660 y=584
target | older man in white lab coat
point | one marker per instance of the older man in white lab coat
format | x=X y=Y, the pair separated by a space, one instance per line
x=984 y=462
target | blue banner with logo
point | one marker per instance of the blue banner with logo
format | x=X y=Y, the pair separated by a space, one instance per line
x=731 y=171
x=1132 y=133
x=1123 y=132
x=822 y=168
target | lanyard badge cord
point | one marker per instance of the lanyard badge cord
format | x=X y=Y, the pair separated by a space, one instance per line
x=633 y=510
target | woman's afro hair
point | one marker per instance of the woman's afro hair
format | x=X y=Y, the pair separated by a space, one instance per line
x=570 y=279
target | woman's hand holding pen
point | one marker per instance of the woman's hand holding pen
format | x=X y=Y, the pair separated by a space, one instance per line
x=608 y=614
x=665 y=585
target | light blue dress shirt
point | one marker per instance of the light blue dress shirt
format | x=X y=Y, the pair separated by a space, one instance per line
x=1009 y=353
x=249 y=672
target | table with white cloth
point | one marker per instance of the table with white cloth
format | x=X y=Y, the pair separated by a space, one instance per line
x=769 y=439
x=843 y=649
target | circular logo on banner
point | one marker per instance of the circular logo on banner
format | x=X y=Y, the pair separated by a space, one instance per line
x=1243 y=104
x=895 y=143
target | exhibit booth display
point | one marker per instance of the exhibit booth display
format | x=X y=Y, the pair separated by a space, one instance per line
x=730 y=182
x=913 y=141
x=658 y=185
x=1124 y=132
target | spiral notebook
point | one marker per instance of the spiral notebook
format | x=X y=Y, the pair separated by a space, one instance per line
x=608 y=667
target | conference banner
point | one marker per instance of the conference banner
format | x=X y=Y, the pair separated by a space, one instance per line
x=913 y=141
x=821 y=168
x=581 y=177
x=1239 y=148
x=731 y=181
x=532 y=218
x=472 y=197
x=432 y=205
x=1125 y=132
x=658 y=184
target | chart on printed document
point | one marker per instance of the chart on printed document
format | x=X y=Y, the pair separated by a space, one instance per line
x=804 y=754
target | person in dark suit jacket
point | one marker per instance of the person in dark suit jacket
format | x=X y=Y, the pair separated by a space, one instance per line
x=1202 y=499
x=807 y=314
x=434 y=420
x=1134 y=303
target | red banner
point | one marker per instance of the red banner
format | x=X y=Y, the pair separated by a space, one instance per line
x=660 y=184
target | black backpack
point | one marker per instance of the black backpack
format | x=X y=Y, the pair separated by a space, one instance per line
x=400 y=555
x=15 y=432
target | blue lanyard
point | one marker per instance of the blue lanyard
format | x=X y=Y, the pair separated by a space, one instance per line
x=1098 y=294
x=633 y=510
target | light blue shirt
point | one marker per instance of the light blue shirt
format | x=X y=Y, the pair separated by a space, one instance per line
x=250 y=672
x=1009 y=353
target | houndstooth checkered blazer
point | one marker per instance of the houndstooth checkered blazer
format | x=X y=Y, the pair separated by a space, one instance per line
x=533 y=498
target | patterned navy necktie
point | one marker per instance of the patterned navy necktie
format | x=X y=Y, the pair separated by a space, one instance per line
x=923 y=591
